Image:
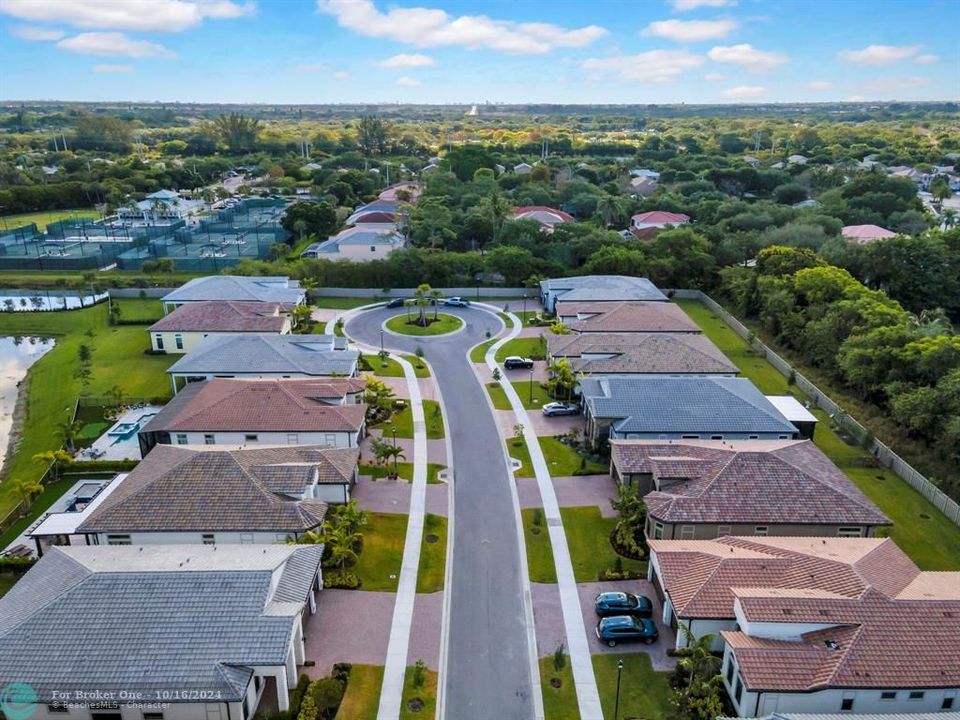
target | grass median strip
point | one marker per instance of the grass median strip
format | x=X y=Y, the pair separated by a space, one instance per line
x=644 y=693
x=403 y=422
x=419 y=701
x=559 y=692
x=536 y=537
x=433 y=554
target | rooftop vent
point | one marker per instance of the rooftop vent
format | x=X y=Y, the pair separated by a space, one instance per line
x=832 y=644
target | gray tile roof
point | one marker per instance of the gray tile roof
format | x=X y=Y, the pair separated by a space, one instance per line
x=237 y=287
x=639 y=353
x=311 y=355
x=683 y=405
x=154 y=618
x=604 y=288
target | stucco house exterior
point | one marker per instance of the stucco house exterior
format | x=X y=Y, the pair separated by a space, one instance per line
x=366 y=241
x=181 y=330
x=704 y=489
x=261 y=412
x=238 y=288
x=86 y=625
x=597 y=289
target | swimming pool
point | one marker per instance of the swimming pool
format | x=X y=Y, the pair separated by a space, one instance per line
x=126 y=430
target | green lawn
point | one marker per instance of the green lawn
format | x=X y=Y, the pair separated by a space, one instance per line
x=564 y=461
x=404 y=470
x=921 y=531
x=433 y=556
x=540 y=395
x=540 y=565
x=117 y=358
x=427 y=694
x=362 y=698
x=479 y=351
x=644 y=693
x=441 y=326
x=145 y=310
x=588 y=537
x=558 y=703
x=46 y=217
x=517 y=449
x=392 y=368
x=379 y=564
x=497 y=396
x=340 y=303
x=531 y=347
x=33 y=279
x=403 y=422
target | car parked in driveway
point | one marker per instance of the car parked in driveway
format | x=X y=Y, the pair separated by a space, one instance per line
x=626 y=628
x=560 y=408
x=456 y=302
x=515 y=362
x=607 y=604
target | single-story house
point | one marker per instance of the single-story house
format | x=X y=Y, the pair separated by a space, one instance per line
x=676 y=408
x=430 y=169
x=359 y=243
x=198 y=631
x=658 y=219
x=236 y=288
x=268 y=412
x=703 y=489
x=641 y=186
x=624 y=317
x=522 y=168
x=546 y=216
x=797 y=160
x=196 y=494
x=597 y=289
x=378 y=211
x=798 y=414
x=862 y=234
x=613 y=354
x=406 y=191
x=252 y=357
x=181 y=330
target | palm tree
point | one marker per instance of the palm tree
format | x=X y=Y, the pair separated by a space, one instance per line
x=940 y=190
x=24 y=489
x=435 y=296
x=70 y=432
x=351 y=516
x=115 y=395
x=341 y=543
x=948 y=218
x=611 y=210
x=300 y=227
x=421 y=298
x=53 y=459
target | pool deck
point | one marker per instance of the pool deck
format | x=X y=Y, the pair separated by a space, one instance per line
x=119 y=448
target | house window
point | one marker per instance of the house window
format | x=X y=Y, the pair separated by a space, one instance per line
x=293 y=439
x=916 y=694
x=730 y=672
x=687 y=532
x=118 y=540
x=181 y=439
x=784 y=437
x=178 y=340
x=723 y=530
x=373 y=248
x=754 y=437
x=330 y=439
x=947 y=703
x=738 y=693
x=690 y=437
x=208 y=539
x=251 y=438
x=209 y=440
x=657 y=531
x=846 y=705
x=159 y=341
x=716 y=437
x=246 y=538
x=849 y=532
x=888 y=695
x=760 y=530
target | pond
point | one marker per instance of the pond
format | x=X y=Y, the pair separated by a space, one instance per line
x=17 y=354
x=45 y=300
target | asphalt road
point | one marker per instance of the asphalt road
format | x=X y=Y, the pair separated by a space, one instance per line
x=488 y=666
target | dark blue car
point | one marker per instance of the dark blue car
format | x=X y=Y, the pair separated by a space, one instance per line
x=626 y=628
x=607 y=604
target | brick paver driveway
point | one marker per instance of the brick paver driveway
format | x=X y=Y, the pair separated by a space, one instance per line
x=349 y=626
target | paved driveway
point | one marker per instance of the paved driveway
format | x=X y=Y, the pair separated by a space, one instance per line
x=488 y=672
x=333 y=634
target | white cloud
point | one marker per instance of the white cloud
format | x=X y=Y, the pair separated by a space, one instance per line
x=926 y=59
x=405 y=60
x=685 y=5
x=341 y=75
x=428 y=27
x=714 y=77
x=820 y=85
x=744 y=92
x=408 y=81
x=32 y=32
x=113 y=68
x=142 y=15
x=690 y=30
x=880 y=54
x=655 y=66
x=110 y=43
x=748 y=56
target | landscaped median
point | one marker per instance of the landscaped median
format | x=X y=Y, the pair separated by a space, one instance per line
x=540 y=564
x=442 y=324
x=433 y=554
x=403 y=422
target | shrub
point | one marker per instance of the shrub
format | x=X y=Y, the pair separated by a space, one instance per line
x=326 y=694
x=419 y=674
x=308 y=709
x=341 y=580
x=559 y=658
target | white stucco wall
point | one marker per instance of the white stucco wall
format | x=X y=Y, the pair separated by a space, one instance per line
x=192 y=339
x=338 y=439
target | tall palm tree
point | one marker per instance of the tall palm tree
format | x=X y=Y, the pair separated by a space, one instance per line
x=421 y=298
x=611 y=210
x=70 y=432
x=24 y=489
x=435 y=296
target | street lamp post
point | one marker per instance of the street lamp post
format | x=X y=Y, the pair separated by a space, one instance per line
x=531 y=386
x=523 y=318
x=381 y=340
x=394 y=431
x=616 y=707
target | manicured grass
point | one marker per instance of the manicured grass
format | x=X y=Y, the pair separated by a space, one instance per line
x=540 y=395
x=117 y=358
x=919 y=529
x=41 y=502
x=517 y=449
x=403 y=422
x=340 y=303
x=563 y=460
x=497 y=396
x=46 y=217
x=383 y=537
x=644 y=693
x=404 y=470
x=145 y=310
x=362 y=698
x=427 y=693
x=540 y=565
x=588 y=537
x=531 y=347
x=433 y=556
x=91 y=431
x=558 y=703
x=441 y=326
x=392 y=367
x=479 y=351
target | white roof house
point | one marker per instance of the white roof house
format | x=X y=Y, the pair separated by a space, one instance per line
x=236 y=288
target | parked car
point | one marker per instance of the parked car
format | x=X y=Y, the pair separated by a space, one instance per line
x=456 y=302
x=608 y=604
x=560 y=408
x=396 y=302
x=515 y=362
x=626 y=628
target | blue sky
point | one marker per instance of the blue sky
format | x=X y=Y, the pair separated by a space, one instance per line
x=565 y=51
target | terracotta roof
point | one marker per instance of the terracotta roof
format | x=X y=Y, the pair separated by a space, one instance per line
x=630 y=317
x=661 y=216
x=225 y=316
x=866 y=232
x=174 y=488
x=223 y=404
x=635 y=353
x=542 y=213
x=772 y=482
x=377 y=217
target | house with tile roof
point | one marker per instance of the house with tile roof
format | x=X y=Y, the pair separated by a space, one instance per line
x=702 y=489
x=658 y=219
x=675 y=408
x=258 y=356
x=863 y=234
x=200 y=631
x=614 y=355
x=181 y=330
x=327 y=411
x=597 y=289
x=546 y=216
x=237 y=288
x=378 y=211
x=363 y=242
x=195 y=494
x=624 y=317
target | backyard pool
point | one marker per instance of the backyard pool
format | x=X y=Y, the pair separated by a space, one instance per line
x=120 y=441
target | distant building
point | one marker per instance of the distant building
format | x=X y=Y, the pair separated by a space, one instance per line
x=658 y=219
x=641 y=186
x=522 y=168
x=863 y=234
x=597 y=289
x=546 y=216
x=183 y=329
x=378 y=212
x=365 y=241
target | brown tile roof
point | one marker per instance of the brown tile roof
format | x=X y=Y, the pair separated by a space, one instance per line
x=631 y=317
x=225 y=316
x=640 y=353
x=772 y=482
x=224 y=404
x=184 y=489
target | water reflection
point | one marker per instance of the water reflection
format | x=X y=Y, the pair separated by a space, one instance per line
x=17 y=354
